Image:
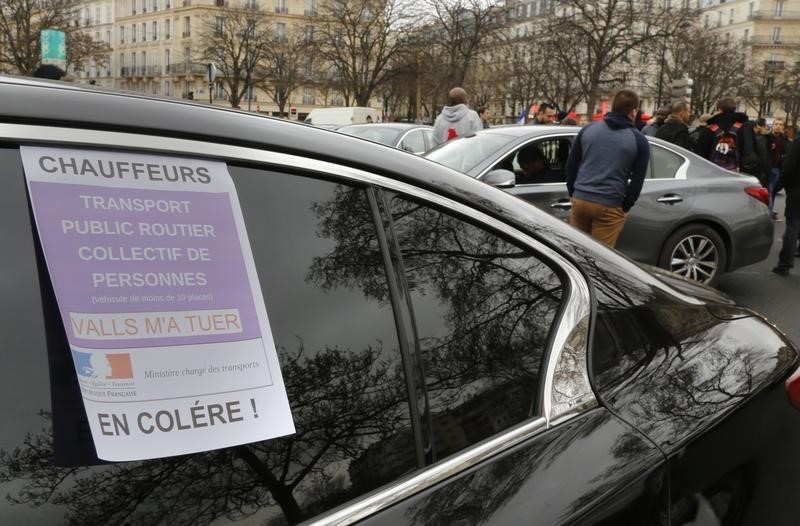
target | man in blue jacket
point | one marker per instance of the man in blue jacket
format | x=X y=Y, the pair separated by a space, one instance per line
x=606 y=169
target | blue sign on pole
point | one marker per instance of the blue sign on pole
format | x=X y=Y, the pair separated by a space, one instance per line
x=54 y=47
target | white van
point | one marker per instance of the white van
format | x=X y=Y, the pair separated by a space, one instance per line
x=342 y=116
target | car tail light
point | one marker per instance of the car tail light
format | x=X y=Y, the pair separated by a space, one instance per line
x=759 y=192
x=793 y=389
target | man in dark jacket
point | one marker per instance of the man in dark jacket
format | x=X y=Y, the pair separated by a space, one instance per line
x=777 y=153
x=790 y=179
x=604 y=187
x=676 y=127
x=726 y=119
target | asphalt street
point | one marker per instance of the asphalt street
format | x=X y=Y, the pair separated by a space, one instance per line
x=776 y=297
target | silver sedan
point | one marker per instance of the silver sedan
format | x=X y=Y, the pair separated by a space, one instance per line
x=692 y=217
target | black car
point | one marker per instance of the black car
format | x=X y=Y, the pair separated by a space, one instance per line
x=420 y=348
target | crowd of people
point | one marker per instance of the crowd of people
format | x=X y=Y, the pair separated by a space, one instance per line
x=603 y=188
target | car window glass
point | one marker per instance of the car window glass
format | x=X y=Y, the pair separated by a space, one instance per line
x=373 y=132
x=484 y=310
x=316 y=253
x=545 y=161
x=466 y=153
x=413 y=142
x=428 y=133
x=664 y=164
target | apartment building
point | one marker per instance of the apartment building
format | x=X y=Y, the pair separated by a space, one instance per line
x=770 y=30
x=96 y=19
x=158 y=48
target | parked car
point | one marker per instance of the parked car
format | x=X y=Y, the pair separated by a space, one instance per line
x=330 y=117
x=305 y=326
x=692 y=217
x=414 y=138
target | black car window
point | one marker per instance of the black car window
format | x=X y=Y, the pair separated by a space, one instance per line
x=484 y=310
x=664 y=164
x=413 y=142
x=316 y=252
x=544 y=161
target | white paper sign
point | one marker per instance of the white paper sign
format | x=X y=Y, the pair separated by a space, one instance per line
x=158 y=292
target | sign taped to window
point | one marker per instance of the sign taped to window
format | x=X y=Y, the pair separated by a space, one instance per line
x=157 y=288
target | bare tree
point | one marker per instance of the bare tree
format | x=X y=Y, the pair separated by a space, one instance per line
x=698 y=55
x=21 y=23
x=358 y=38
x=465 y=27
x=83 y=51
x=789 y=95
x=288 y=62
x=590 y=38
x=237 y=40
x=762 y=84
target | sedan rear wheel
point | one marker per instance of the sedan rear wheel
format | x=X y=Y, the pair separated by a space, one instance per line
x=695 y=252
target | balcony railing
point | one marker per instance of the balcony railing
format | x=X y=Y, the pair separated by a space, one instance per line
x=283 y=10
x=186 y=69
x=770 y=41
x=772 y=15
x=154 y=71
x=186 y=34
x=774 y=65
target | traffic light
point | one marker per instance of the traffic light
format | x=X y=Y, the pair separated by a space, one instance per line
x=682 y=89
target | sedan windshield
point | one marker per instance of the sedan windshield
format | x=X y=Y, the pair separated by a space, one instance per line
x=466 y=153
x=376 y=133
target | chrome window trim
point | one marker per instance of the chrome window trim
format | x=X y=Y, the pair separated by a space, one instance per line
x=565 y=135
x=399 y=145
x=682 y=170
x=573 y=318
x=680 y=173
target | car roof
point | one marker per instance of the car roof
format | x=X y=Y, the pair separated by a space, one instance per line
x=34 y=101
x=391 y=125
x=53 y=103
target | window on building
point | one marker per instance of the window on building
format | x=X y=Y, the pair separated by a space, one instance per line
x=98 y=15
x=280 y=31
x=705 y=21
x=108 y=38
x=779 y=8
x=133 y=32
x=308 y=68
x=187 y=26
x=144 y=31
x=730 y=16
x=219 y=25
x=155 y=5
x=308 y=95
x=752 y=8
x=154 y=30
x=308 y=33
x=280 y=6
x=167 y=88
x=719 y=18
x=776 y=34
x=746 y=35
x=167 y=30
x=310 y=8
x=167 y=60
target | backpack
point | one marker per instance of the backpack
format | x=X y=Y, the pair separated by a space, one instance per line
x=726 y=151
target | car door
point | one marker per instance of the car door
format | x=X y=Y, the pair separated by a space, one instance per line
x=549 y=195
x=474 y=295
x=667 y=196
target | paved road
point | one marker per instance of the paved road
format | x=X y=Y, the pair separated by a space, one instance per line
x=776 y=297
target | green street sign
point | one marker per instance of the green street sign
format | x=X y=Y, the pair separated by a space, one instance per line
x=54 y=47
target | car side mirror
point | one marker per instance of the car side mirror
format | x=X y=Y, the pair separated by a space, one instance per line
x=500 y=178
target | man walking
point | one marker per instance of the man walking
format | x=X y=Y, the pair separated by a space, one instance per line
x=790 y=179
x=676 y=127
x=720 y=141
x=604 y=187
x=456 y=119
x=777 y=153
